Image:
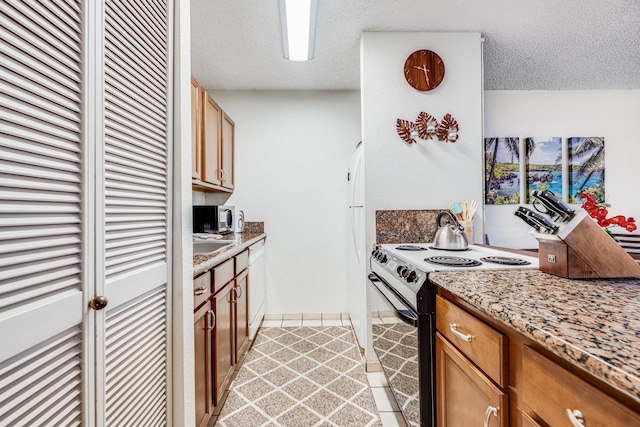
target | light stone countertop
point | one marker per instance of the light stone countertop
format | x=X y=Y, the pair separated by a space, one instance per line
x=593 y=324
x=203 y=262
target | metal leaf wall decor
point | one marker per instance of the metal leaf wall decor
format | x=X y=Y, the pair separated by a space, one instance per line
x=406 y=130
x=448 y=129
x=427 y=127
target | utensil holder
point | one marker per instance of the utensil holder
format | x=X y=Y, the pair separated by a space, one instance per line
x=468 y=230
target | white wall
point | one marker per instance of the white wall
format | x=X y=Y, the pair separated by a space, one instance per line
x=428 y=174
x=292 y=154
x=615 y=115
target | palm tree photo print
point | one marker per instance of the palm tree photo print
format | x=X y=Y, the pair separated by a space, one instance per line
x=502 y=171
x=586 y=168
x=544 y=165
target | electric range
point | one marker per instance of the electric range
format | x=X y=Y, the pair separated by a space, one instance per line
x=400 y=274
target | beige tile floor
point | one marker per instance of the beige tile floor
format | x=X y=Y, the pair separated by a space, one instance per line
x=388 y=411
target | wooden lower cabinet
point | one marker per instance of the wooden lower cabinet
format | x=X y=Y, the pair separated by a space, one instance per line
x=223 y=340
x=202 y=326
x=465 y=395
x=557 y=397
x=527 y=421
x=241 y=315
x=532 y=388
x=221 y=331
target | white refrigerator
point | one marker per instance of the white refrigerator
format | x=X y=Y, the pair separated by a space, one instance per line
x=357 y=254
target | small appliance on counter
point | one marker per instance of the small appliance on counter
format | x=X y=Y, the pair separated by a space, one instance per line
x=238 y=221
x=214 y=219
x=571 y=244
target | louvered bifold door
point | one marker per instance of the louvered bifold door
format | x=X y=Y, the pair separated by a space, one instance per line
x=41 y=208
x=135 y=215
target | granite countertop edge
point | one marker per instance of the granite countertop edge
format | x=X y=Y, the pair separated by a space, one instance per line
x=241 y=241
x=562 y=316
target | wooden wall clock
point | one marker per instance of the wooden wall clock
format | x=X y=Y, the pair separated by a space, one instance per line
x=424 y=70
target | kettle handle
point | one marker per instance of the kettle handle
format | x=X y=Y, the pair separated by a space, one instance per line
x=452 y=219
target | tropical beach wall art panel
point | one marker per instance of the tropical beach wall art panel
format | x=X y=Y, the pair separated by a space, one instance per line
x=502 y=171
x=544 y=165
x=586 y=167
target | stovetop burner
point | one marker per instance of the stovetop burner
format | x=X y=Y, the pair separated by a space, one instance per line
x=410 y=248
x=453 y=261
x=505 y=260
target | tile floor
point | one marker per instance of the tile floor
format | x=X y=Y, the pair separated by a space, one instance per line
x=306 y=370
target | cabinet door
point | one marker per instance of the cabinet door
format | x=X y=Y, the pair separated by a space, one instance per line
x=242 y=314
x=464 y=395
x=557 y=397
x=527 y=421
x=211 y=135
x=202 y=329
x=223 y=340
x=226 y=168
x=196 y=129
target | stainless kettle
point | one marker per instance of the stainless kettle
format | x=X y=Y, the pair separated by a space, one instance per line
x=449 y=236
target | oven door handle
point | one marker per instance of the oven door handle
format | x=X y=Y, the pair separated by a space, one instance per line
x=403 y=312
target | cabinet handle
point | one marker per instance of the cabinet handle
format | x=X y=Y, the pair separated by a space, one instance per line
x=576 y=418
x=200 y=291
x=454 y=328
x=238 y=292
x=490 y=411
x=224 y=174
x=212 y=320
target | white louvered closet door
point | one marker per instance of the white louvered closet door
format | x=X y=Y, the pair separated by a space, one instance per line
x=41 y=214
x=84 y=211
x=134 y=220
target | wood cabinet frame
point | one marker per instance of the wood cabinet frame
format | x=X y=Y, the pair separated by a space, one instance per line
x=213 y=140
x=516 y=343
x=221 y=331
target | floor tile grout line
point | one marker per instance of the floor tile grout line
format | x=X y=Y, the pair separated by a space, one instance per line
x=337 y=353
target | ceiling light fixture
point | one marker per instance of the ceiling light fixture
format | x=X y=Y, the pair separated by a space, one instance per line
x=298 y=23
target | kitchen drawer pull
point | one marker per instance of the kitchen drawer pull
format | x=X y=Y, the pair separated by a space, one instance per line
x=576 y=418
x=212 y=319
x=454 y=328
x=200 y=291
x=490 y=411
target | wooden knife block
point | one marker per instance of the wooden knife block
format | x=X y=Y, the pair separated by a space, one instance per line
x=583 y=250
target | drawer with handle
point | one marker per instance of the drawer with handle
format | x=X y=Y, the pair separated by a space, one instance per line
x=556 y=397
x=483 y=345
x=201 y=289
x=222 y=274
x=242 y=261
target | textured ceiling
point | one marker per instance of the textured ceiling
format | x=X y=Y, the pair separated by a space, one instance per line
x=529 y=45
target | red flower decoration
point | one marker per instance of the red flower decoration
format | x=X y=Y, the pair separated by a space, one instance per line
x=599 y=213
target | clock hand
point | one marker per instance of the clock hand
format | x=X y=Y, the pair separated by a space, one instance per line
x=425 y=70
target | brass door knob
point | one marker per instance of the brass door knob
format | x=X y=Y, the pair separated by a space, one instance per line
x=98 y=302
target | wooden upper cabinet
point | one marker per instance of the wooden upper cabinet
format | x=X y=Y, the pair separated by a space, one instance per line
x=226 y=167
x=196 y=129
x=211 y=141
